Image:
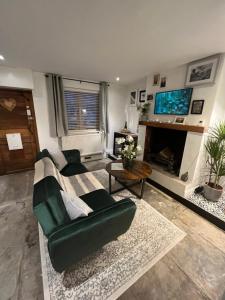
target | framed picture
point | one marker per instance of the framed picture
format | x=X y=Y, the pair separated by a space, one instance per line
x=142 y=96
x=133 y=97
x=156 y=79
x=197 y=107
x=150 y=97
x=202 y=71
x=163 y=82
x=179 y=120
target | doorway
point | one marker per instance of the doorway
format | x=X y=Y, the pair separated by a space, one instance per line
x=18 y=132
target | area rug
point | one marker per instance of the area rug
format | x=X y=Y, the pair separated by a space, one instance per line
x=107 y=273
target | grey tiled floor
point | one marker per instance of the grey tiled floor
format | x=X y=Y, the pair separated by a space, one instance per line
x=194 y=269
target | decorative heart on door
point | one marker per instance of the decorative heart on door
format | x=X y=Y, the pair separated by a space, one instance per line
x=8 y=103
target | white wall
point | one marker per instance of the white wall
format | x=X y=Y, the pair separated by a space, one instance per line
x=214 y=111
x=35 y=81
x=218 y=113
x=16 y=78
x=132 y=114
x=175 y=80
x=40 y=99
x=26 y=79
x=116 y=111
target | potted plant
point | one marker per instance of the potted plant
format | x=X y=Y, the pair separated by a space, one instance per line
x=215 y=148
x=129 y=150
x=144 y=109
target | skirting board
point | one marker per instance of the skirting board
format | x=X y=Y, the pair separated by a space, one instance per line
x=203 y=213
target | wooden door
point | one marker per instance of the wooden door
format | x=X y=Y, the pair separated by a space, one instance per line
x=17 y=116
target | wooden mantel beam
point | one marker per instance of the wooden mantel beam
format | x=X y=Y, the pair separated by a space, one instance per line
x=182 y=127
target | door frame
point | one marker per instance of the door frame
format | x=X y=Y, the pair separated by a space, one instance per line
x=30 y=97
x=28 y=94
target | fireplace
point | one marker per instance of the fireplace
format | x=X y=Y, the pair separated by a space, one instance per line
x=164 y=147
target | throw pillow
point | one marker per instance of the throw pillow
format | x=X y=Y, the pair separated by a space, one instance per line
x=59 y=159
x=75 y=206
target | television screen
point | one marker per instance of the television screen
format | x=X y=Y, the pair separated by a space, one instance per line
x=176 y=102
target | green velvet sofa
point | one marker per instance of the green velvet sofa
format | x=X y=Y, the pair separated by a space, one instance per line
x=74 y=165
x=70 y=241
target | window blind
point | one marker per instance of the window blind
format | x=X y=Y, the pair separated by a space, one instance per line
x=82 y=110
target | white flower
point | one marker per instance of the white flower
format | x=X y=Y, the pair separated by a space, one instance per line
x=125 y=148
x=130 y=139
x=120 y=140
x=139 y=148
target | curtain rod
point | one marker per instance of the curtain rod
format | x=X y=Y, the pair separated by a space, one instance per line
x=79 y=80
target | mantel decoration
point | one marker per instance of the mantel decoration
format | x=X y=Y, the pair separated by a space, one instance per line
x=129 y=150
x=215 y=148
x=150 y=97
x=144 y=110
x=179 y=120
x=202 y=71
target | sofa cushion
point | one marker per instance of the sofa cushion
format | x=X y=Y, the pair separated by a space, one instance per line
x=98 y=199
x=73 y=169
x=45 y=168
x=44 y=153
x=75 y=206
x=59 y=159
x=45 y=218
x=58 y=209
x=43 y=189
x=72 y=156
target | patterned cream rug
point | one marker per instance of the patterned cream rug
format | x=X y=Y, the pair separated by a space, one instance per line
x=107 y=273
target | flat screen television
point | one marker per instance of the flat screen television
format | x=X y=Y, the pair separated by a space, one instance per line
x=176 y=102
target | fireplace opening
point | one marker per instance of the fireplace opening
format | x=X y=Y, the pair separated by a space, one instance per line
x=165 y=148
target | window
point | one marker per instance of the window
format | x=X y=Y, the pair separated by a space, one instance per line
x=82 y=110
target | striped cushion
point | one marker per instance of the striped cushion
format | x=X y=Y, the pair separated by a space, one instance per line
x=74 y=185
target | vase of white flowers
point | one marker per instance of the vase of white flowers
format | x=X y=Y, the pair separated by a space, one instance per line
x=129 y=151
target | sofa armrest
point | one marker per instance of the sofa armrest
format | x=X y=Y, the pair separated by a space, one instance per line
x=72 y=156
x=76 y=240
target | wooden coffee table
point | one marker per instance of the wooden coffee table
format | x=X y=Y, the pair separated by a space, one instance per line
x=139 y=172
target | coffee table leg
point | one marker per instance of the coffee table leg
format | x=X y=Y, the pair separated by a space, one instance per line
x=142 y=187
x=110 y=186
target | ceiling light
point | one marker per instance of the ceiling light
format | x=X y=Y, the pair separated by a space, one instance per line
x=117 y=79
x=2 y=57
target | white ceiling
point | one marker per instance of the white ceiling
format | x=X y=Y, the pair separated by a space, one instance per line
x=102 y=39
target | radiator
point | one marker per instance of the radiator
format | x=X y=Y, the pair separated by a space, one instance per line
x=90 y=145
x=94 y=156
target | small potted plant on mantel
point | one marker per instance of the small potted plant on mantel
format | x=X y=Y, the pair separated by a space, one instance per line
x=144 y=110
x=129 y=150
x=215 y=148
